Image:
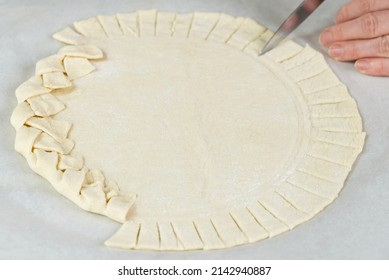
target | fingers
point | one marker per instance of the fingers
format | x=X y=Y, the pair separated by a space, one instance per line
x=357 y=8
x=373 y=66
x=361 y=34
x=367 y=26
x=356 y=49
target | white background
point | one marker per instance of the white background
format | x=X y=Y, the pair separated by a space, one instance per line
x=37 y=223
x=280 y=269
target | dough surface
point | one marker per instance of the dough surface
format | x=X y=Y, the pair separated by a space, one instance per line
x=173 y=125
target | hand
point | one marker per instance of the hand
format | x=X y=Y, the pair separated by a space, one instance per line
x=361 y=34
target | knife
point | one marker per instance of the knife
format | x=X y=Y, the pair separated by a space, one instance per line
x=291 y=23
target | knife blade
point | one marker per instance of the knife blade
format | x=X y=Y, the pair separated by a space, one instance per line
x=300 y=14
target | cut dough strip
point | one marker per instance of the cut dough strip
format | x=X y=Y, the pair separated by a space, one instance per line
x=315 y=184
x=73 y=162
x=148 y=237
x=335 y=94
x=45 y=105
x=247 y=33
x=306 y=54
x=322 y=81
x=147 y=23
x=30 y=88
x=267 y=220
x=56 y=129
x=324 y=169
x=316 y=65
x=21 y=114
x=70 y=36
x=49 y=144
x=225 y=28
x=333 y=153
x=187 y=235
x=341 y=124
x=85 y=51
x=25 y=139
x=55 y=80
x=129 y=24
x=283 y=210
x=203 y=25
x=354 y=140
x=49 y=64
x=255 y=47
x=46 y=163
x=110 y=26
x=94 y=198
x=77 y=67
x=164 y=26
x=303 y=200
x=285 y=51
x=168 y=237
x=126 y=237
x=228 y=230
x=208 y=233
x=91 y=28
x=344 y=109
x=247 y=223
x=119 y=206
x=182 y=25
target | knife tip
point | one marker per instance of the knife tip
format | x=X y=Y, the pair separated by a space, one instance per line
x=262 y=52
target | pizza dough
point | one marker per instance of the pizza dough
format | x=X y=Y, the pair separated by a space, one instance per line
x=174 y=125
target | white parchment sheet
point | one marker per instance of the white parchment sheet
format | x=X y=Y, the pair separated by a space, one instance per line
x=38 y=223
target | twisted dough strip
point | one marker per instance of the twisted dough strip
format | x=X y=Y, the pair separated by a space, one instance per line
x=44 y=141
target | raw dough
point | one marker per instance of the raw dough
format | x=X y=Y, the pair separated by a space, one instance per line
x=221 y=146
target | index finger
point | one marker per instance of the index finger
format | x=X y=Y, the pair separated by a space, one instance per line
x=369 y=26
x=357 y=8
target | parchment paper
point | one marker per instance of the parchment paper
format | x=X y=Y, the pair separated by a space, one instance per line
x=38 y=223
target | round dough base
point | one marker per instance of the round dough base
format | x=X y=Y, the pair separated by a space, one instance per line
x=220 y=145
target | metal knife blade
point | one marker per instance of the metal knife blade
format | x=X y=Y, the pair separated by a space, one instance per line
x=291 y=23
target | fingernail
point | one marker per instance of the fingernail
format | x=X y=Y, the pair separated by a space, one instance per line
x=362 y=65
x=336 y=51
x=326 y=37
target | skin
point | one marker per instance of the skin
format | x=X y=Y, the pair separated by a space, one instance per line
x=361 y=34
